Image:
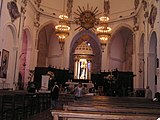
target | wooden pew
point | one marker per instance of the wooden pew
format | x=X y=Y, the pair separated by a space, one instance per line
x=19 y=105
x=65 y=99
x=120 y=110
x=93 y=115
x=123 y=106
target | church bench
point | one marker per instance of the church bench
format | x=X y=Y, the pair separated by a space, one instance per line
x=122 y=102
x=126 y=105
x=20 y=105
x=119 y=110
x=56 y=114
x=65 y=99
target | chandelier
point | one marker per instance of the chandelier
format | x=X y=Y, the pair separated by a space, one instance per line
x=103 y=31
x=86 y=20
x=62 y=30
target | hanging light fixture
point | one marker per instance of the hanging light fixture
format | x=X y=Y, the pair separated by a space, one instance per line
x=103 y=31
x=62 y=29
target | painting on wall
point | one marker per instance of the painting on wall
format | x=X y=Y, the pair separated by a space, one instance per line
x=4 y=63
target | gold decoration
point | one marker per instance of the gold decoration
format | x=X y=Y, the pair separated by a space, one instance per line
x=87 y=18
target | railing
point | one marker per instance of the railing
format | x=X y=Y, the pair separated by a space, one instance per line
x=4 y=85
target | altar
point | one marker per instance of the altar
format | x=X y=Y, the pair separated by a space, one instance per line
x=73 y=84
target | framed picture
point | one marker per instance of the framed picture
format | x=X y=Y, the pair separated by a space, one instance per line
x=4 y=63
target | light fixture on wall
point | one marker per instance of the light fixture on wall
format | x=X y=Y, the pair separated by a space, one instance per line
x=62 y=29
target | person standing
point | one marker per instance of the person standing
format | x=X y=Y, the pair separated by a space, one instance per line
x=54 y=95
x=148 y=93
x=78 y=91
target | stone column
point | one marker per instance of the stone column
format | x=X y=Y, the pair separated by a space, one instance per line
x=15 y=68
x=140 y=72
x=134 y=60
x=89 y=69
x=76 y=69
x=151 y=72
x=158 y=45
x=28 y=63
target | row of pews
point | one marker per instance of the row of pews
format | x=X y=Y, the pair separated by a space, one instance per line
x=21 y=105
x=108 y=108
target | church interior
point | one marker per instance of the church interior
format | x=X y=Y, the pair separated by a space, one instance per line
x=110 y=46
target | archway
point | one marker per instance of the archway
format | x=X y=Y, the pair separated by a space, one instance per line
x=152 y=62
x=10 y=36
x=95 y=45
x=24 y=59
x=141 y=71
x=46 y=38
x=120 y=49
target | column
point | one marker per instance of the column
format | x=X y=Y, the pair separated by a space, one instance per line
x=76 y=69
x=151 y=72
x=28 y=63
x=158 y=45
x=89 y=69
x=141 y=70
x=15 y=68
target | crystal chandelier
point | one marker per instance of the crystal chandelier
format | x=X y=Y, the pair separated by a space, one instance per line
x=103 y=31
x=62 y=30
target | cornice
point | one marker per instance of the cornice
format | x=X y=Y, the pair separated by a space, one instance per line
x=41 y=11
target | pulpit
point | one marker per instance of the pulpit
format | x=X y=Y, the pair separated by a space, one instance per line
x=44 y=83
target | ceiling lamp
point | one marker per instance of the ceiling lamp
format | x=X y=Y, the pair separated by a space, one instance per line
x=62 y=29
x=103 y=31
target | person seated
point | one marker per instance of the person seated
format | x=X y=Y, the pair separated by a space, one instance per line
x=148 y=93
x=156 y=97
x=85 y=89
x=31 y=87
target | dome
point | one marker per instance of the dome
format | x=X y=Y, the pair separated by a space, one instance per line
x=84 y=49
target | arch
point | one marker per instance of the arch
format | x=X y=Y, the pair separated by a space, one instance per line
x=24 y=58
x=45 y=34
x=29 y=36
x=141 y=44
x=119 y=26
x=45 y=24
x=116 y=30
x=141 y=75
x=84 y=32
x=153 y=42
x=41 y=27
x=10 y=36
x=121 y=56
x=152 y=62
x=14 y=32
x=95 y=45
